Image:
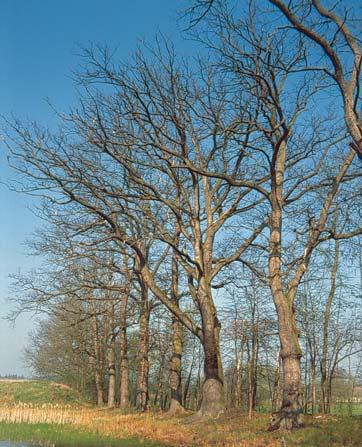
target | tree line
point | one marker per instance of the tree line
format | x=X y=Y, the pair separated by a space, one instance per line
x=200 y=217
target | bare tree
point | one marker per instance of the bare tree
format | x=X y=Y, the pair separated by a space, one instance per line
x=331 y=30
x=134 y=140
x=334 y=49
x=264 y=67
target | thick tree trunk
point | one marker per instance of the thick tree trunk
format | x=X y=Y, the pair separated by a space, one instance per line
x=238 y=379
x=143 y=364
x=124 y=384
x=353 y=121
x=97 y=381
x=124 y=368
x=99 y=388
x=291 y=409
x=213 y=400
x=111 y=374
x=177 y=347
x=175 y=368
x=290 y=415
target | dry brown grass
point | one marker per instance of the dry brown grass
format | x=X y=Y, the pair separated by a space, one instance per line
x=232 y=430
x=34 y=414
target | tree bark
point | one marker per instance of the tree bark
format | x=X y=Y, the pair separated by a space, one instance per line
x=97 y=377
x=159 y=388
x=325 y=382
x=111 y=373
x=238 y=379
x=99 y=388
x=291 y=413
x=175 y=368
x=143 y=364
x=177 y=348
x=97 y=363
x=111 y=346
x=124 y=368
x=213 y=400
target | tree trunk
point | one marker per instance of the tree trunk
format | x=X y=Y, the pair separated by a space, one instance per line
x=252 y=369
x=124 y=368
x=250 y=383
x=110 y=346
x=314 y=387
x=276 y=402
x=99 y=388
x=97 y=363
x=143 y=364
x=307 y=381
x=290 y=415
x=238 y=379
x=97 y=377
x=325 y=394
x=177 y=347
x=175 y=368
x=213 y=400
x=111 y=374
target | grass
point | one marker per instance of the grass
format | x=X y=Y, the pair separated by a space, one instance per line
x=97 y=428
x=93 y=428
x=64 y=436
x=355 y=409
x=71 y=423
x=238 y=430
x=38 y=392
x=333 y=432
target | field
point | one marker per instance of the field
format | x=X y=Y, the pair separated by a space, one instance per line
x=345 y=410
x=72 y=423
x=38 y=392
x=64 y=436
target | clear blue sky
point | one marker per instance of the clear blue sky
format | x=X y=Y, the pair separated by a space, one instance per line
x=39 y=43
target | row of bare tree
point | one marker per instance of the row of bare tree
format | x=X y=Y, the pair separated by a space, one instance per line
x=98 y=343
x=173 y=181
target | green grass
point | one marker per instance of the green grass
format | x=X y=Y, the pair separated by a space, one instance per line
x=345 y=409
x=64 y=436
x=342 y=432
x=38 y=393
x=95 y=428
